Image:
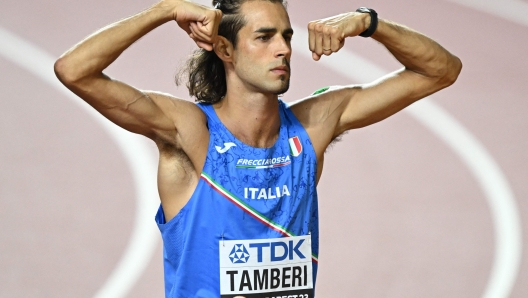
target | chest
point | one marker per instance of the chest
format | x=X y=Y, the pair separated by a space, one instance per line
x=281 y=172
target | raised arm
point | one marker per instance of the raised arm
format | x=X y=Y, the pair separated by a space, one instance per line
x=427 y=68
x=81 y=68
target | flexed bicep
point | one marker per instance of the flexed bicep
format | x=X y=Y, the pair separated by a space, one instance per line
x=367 y=104
x=427 y=68
x=81 y=67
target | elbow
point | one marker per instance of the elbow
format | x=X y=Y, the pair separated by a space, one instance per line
x=452 y=70
x=65 y=72
x=62 y=71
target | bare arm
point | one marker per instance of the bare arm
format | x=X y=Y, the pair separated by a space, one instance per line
x=81 y=68
x=427 y=68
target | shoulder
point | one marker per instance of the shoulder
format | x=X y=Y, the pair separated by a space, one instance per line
x=188 y=119
x=321 y=112
x=175 y=107
x=323 y=105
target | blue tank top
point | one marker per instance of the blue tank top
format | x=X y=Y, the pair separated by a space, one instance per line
x=251 y=226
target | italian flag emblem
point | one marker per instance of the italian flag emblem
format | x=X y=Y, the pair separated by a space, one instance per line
x=295 y=146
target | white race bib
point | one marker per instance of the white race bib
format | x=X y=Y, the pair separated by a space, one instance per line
x=266 y=268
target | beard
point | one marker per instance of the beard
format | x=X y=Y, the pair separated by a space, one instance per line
x=284 y=86
x=285 y=80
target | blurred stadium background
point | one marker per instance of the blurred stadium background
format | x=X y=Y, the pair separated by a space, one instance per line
x=429 y=203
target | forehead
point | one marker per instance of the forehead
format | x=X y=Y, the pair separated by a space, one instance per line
x=264 y=14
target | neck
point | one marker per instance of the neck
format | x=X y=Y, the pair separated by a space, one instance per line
x=253 y=118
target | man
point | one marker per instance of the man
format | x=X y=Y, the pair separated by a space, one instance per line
x=237 y=172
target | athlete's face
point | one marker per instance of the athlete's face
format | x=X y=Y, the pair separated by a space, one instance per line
x=263 y=51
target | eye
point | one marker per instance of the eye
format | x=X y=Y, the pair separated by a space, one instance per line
x=263 y=37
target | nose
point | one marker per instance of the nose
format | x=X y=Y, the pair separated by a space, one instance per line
x=283 y=47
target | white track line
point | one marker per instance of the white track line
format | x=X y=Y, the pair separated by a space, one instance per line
x=142 y=164
x=504 y=275
x=511 y=10
x=500 y=198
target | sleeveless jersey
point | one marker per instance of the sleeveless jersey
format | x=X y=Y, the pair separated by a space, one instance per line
x=251 y=226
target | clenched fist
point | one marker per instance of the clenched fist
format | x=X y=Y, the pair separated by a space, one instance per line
x=200 y=22
x=327 y=36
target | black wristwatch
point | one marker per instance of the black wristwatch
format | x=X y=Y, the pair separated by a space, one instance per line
x=373 y=21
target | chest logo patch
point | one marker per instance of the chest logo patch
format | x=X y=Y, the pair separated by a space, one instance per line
x=239 y=254
x=227 y=146
x=267 y=163
x=266 y=193
x=295 y=146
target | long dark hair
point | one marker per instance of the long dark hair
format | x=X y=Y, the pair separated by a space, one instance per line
x=204 y=70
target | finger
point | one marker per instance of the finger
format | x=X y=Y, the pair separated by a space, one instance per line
x=185 y=27
x=336 y=42
x=199 y=41
x=193 y=35
x=311 y=36
x=327 y=41
x=192 y=32
x=199 y=33
x=319 y=39
x=315 y=56
x=209 y=26
x=204 y=45
x=208 y=32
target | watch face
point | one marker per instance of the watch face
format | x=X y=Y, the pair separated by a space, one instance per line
x=363 y=9
x=366 y=10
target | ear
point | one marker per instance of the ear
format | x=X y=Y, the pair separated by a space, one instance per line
x=224 y=49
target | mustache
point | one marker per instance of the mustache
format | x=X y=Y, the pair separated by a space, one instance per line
x=286 y=62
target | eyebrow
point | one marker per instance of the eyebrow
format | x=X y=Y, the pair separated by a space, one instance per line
x=273 y=30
